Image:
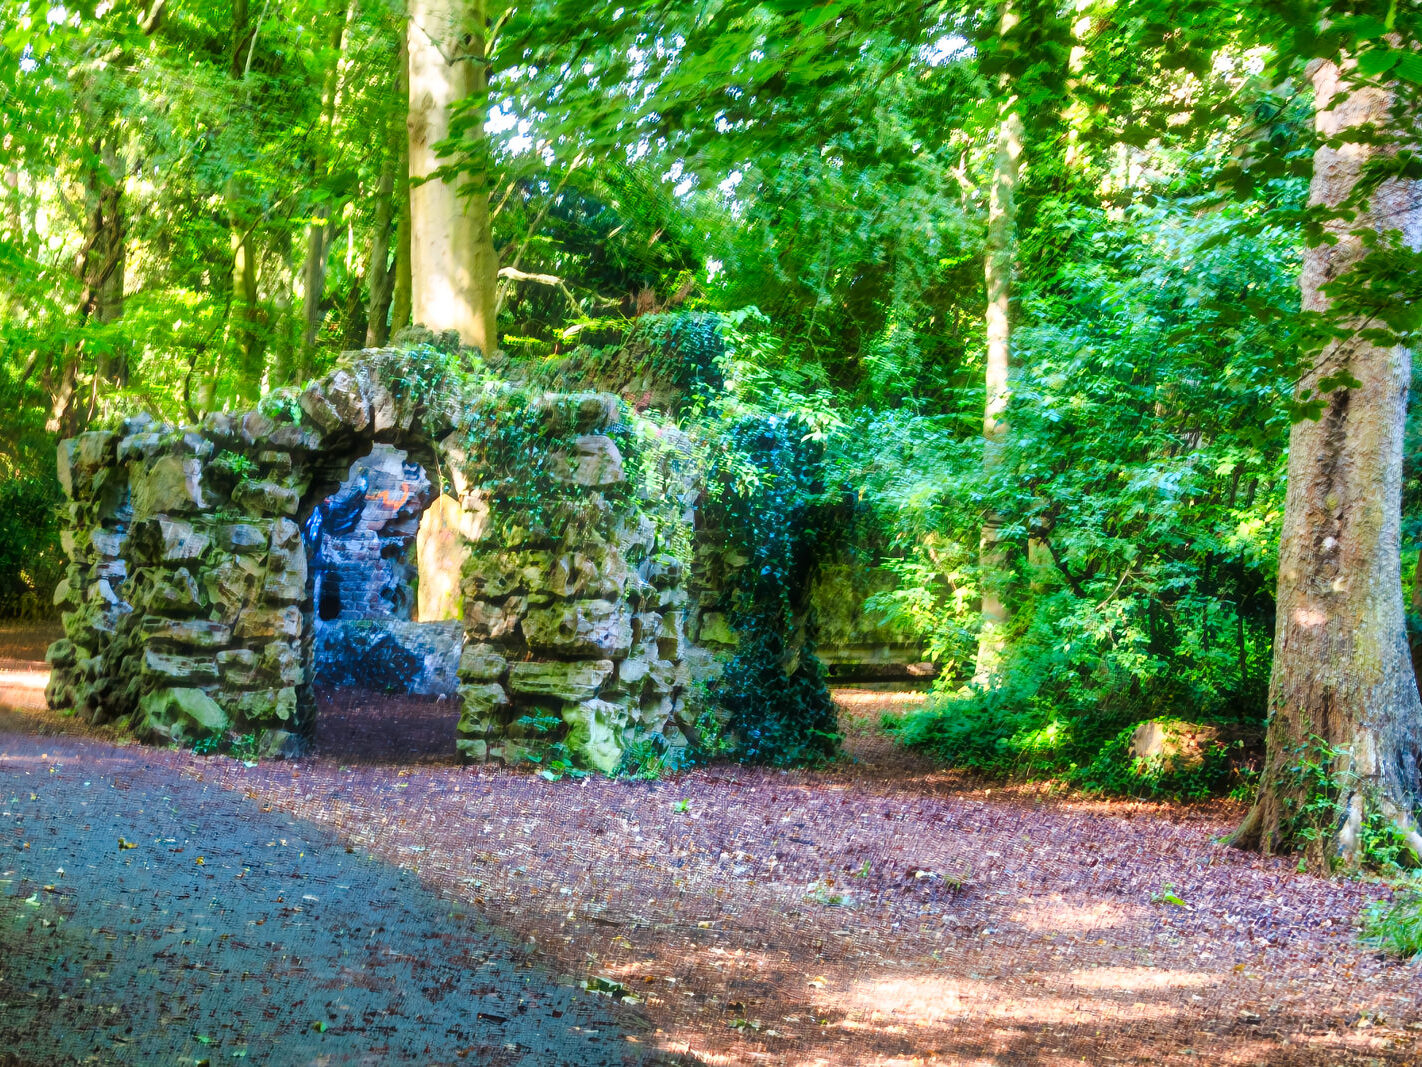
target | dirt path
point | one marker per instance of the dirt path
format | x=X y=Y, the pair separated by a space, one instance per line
x=150 y=919
x=883 y=912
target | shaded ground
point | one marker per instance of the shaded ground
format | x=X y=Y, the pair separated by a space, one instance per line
x=150 y=918
x=882 y=912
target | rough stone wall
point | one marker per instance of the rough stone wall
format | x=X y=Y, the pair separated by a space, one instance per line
x=188 y=605
x=579 y=640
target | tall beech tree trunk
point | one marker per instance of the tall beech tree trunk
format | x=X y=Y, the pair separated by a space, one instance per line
x=1342 y=678
x=453 y=264
x=997 y=269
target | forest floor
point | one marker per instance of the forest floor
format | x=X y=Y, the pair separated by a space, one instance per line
x=883 y=911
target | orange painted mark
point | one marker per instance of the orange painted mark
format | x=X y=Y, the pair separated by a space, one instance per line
x=389 y=499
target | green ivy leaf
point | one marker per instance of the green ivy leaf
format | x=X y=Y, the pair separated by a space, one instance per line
x=1377 y=61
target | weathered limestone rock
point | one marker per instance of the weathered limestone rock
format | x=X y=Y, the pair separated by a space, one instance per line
x=485 y=621
x=266 y=498
x=242 y=538
x=172 y=540
x=281 y=661
x=319 y=408
x=593 y=461
x=481 y=663
x=237 y=666
x=179 y=713
x=565 y=681
x=265 y=705
x=107 y=542
x=61 y=654
x=170 y=667
x=580 y=628
x=80 y=458
x=255 y=427
x=168 y=484
x=480 y=701
x=268 y=622
x=595 y=733
x=190 y=633
x=347 y=399
x=717 y=630
x=280 y=744
x=285 y=582
x=175 y=593
x=472 y=750
x=232 y=585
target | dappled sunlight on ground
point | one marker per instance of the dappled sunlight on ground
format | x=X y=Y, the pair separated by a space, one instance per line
x=883 y=911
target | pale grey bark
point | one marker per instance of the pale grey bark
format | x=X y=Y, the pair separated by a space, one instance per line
x=453 y=264
x=1342 y=677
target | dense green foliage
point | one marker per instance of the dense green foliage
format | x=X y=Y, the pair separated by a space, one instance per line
x=766 y=220
x=769 y=498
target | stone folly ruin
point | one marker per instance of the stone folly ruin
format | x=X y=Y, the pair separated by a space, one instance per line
x=394 y=526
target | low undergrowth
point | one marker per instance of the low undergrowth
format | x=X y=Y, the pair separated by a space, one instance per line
x=1395 y=927
x=1190 y=759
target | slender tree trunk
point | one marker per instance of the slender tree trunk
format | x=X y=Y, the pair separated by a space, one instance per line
x=101 y=273
x=244 y=300
x=400 y=297
x=1414 y=636
x=244 y=304
x=453 y=264
x=319 y=232
x=998 y=262
x=1342 y=690
x=112 y=259
x=378 y=272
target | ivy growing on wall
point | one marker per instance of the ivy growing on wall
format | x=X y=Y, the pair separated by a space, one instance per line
x=768 y=494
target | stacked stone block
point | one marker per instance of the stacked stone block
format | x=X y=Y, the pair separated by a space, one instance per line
x=578 y=641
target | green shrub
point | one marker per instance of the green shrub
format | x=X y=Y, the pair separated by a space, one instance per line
x=1395 y=927
x=31 y=560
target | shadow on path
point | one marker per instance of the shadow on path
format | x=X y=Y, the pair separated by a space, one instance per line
x=362 y=726
x=150 y=919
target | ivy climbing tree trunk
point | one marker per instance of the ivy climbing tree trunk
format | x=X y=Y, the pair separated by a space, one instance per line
x=1345 y=730
x=400 y=292
x=998 y=262
x=454 y=267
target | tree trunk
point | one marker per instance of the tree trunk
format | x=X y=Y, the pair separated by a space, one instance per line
x=1414 y=636
x=377 y=270
x=318 y=233
x=998 y=275
x=453 y=265
x=101 y=273
x=244 y=301
x=1342 y=696
x=243 y=305
x=400 y=297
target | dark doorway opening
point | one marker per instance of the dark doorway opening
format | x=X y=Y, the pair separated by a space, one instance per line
x=385 y=683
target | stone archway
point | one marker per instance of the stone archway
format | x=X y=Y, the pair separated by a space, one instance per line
x=200 y=622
